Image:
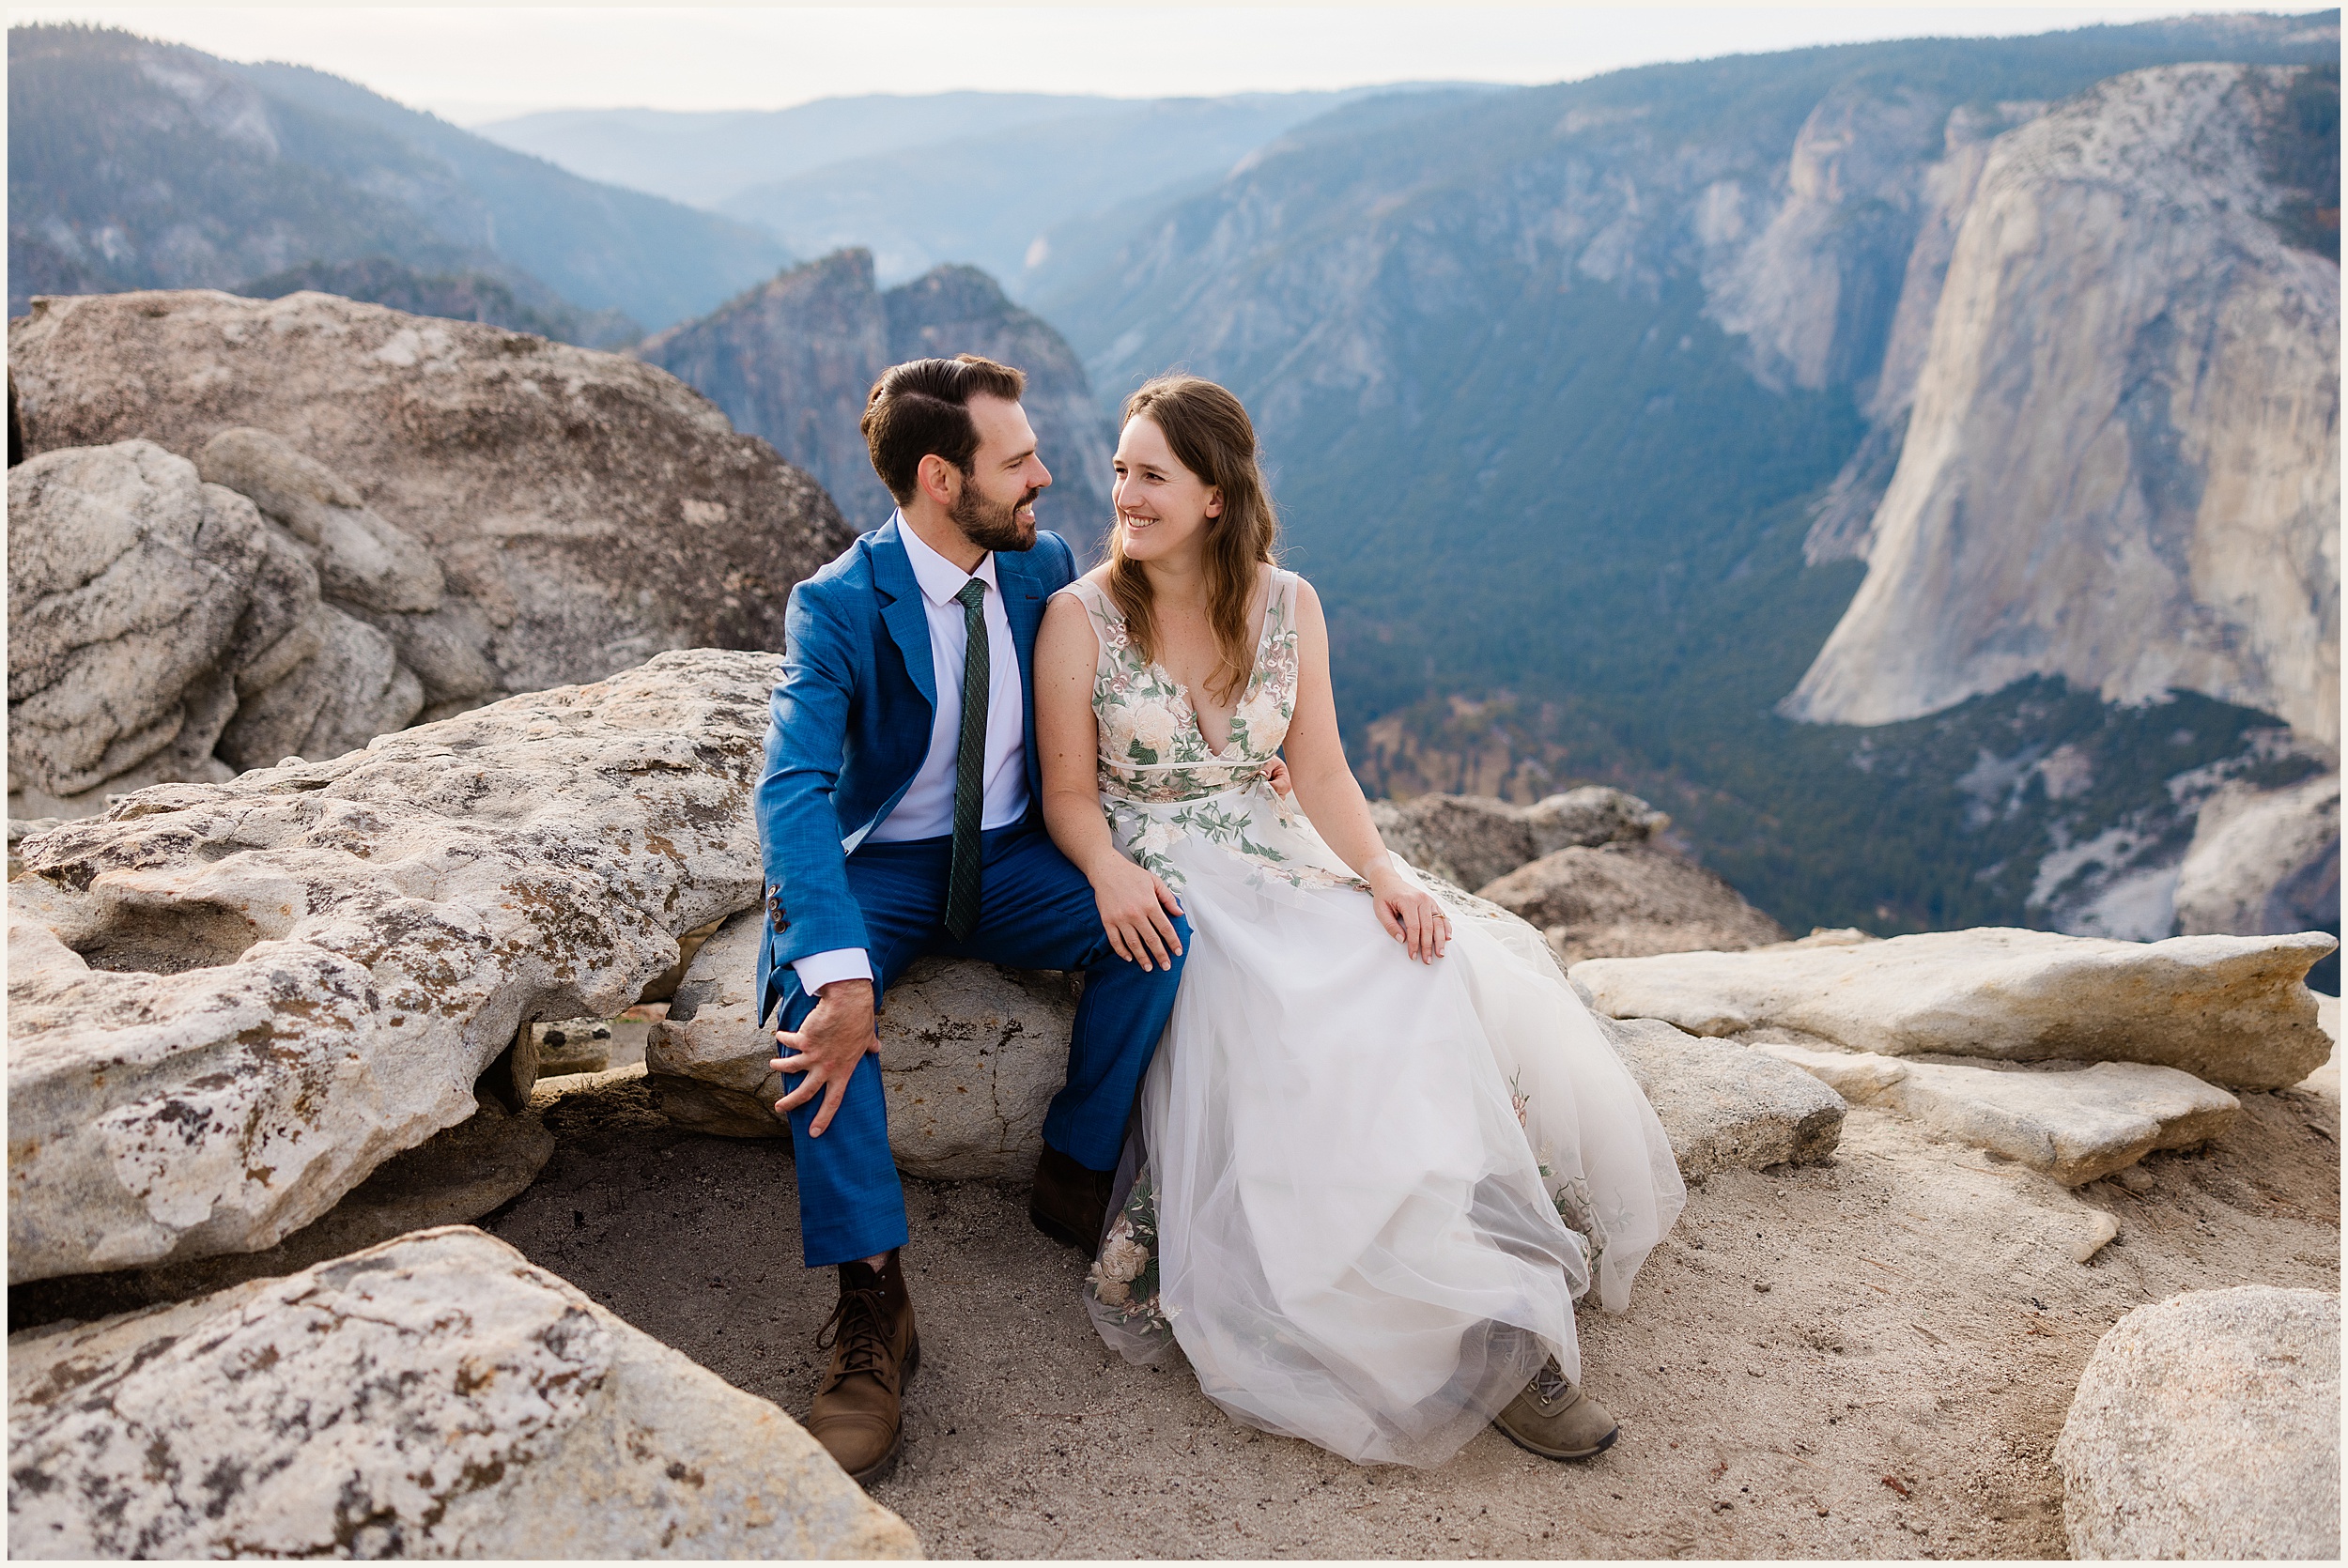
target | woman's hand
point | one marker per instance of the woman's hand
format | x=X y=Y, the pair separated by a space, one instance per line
x=1134 y=908
x=1276 y=773
x=1409 y=913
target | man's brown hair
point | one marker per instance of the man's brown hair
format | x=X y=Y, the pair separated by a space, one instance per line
x=921 y=408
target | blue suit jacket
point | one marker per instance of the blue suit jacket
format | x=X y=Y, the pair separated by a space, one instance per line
x=851 y=724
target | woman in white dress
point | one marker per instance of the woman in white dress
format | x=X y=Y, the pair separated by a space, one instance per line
x=1382 y=1148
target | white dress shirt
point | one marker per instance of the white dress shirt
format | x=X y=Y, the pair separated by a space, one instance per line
x=926 y=811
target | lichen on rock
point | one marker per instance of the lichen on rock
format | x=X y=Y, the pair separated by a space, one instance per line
x=435 y=1396
x=228 y=1003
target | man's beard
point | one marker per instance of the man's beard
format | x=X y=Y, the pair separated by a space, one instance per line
x=991 y=527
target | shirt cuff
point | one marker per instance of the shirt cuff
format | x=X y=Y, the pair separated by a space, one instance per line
x=818 y=970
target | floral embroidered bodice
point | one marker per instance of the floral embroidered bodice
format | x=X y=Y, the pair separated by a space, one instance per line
x=1152 y=750
x=1162 y=784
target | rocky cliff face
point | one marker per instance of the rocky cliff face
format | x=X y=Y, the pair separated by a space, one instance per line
x=2122 y=460
x=1583 y=400
x=248 y=529
x=792 y=360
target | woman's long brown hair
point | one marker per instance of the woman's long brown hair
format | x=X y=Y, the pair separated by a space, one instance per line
x=1214 y=439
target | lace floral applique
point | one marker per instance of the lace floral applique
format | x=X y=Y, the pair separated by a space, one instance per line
x=1149 y=836
x=1579 y=1214
x=1571 y=1197
x=1124 y=1278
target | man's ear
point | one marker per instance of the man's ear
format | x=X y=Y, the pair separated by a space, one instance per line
x=938 y=479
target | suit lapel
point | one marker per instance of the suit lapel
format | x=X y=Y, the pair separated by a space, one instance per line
x=1023 y=606
x=902 y=610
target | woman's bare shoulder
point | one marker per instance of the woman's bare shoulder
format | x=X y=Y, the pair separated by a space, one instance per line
x=1067 y=621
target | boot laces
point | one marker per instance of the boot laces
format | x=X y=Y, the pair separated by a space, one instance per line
x=1549 y=1384
x=855 y=1326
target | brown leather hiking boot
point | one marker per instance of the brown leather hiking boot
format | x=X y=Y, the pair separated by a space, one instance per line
x=1070 y=1204
x=858 y=1414
x=1556 y=1420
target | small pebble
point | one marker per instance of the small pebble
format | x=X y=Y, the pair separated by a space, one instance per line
x=1761 y=1286
x=2136 y=1178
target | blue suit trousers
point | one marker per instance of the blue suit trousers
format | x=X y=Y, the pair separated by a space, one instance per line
x=1036 y=911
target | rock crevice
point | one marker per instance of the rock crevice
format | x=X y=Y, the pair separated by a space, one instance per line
x=228 y=1003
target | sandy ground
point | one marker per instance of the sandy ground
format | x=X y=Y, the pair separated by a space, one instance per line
x=1870 y=1358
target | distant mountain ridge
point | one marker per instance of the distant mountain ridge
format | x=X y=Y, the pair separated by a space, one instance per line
x=1018 y=184
x=702 y=157
x=136 y=164
x=792 y=359
x=993 y=199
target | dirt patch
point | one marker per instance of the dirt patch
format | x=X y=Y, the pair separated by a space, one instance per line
x=1870 y=1358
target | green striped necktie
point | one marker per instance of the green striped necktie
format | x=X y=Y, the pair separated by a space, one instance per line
x=961 y=881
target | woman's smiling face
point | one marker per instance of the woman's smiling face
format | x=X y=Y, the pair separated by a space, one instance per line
x=1163 y=508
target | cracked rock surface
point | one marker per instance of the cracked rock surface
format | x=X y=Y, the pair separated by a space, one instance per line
x=2076 y=1126
x=131 y=616
x=435 y=1396
x=1629 y=900
x=2230 y=1009
x=228 y=1003
x=1724 y=1107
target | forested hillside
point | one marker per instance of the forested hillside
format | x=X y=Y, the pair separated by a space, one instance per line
x=1557 y=382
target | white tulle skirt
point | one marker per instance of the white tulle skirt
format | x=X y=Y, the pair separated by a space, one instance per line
x=1365 y=1191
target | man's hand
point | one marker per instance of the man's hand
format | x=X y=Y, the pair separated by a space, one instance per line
x=826 y=1047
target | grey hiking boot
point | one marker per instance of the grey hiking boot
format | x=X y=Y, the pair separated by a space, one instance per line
x=1556 y=1420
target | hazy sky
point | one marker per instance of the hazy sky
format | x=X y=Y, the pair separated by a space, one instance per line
x=477 y=63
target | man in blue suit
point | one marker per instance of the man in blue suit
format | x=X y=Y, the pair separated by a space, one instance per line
x=900 y=814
